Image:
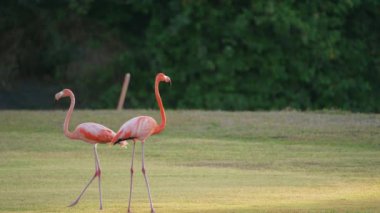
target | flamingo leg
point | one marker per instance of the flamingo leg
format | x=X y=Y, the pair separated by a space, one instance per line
x=97 y=174
x=131 y=186
x=146 y=178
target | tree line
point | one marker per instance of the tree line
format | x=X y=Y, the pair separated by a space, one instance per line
x=229 y=55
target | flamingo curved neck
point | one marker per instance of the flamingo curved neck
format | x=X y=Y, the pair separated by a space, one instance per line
x=68 y=117
x=161 y=126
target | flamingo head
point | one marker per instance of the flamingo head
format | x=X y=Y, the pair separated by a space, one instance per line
x=163 y=77
x=63 y=93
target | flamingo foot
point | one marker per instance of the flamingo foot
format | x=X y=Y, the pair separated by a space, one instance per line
x=153 y=211
x=73 y=203
x=101 y=206
x=129 y=210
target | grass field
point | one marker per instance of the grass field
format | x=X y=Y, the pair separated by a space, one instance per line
x=205 y=161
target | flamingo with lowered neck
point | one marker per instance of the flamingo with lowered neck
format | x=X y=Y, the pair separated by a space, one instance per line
x=91 y=133
x=140 y=128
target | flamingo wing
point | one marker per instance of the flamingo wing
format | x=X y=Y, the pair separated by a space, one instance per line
x=94 y=133
x=139 y=128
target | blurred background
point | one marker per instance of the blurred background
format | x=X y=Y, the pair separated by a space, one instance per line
x=229 y=55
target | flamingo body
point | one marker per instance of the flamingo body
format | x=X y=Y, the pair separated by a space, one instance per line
x=140 y=128
x=93 y=133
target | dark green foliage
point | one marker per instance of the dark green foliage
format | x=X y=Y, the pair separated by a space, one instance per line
x=231 y=55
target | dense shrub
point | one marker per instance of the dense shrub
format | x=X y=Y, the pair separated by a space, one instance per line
x=232 y=55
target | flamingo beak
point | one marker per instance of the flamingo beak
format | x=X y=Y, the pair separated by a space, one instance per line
x=58 y=95
x=168 y=80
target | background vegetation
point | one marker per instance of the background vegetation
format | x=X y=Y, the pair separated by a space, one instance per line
x=231 y=55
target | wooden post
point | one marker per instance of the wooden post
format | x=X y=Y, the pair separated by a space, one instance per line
x=124 y=90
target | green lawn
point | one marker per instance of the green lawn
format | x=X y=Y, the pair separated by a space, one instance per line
x=205 y=161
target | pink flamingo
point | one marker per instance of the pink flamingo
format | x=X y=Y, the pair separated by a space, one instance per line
x=140 y=128
x=91 y=133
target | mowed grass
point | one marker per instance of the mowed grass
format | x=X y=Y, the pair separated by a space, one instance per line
x=205 y=161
